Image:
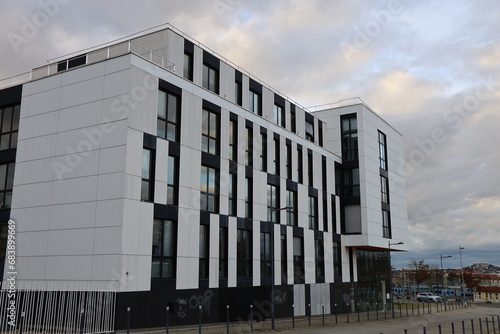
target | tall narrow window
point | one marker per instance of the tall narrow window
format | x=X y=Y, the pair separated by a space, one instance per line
x=276 y=162
x=349 y=128
x=319 y=257
x=293 y=121
x=244 y=254
x=147 y=183
x=325 y=215
x=313 y=213
x=173 y=180
x=382 y=150
x=248 y=198
x=249 y=146
x=263 y=152
x=209 y=189
x=310 y=172
x=168 y=123
x=232 y=187
x=6 y=185
x=384 y=189
x=265 y=254
x=188 y=66
x=254 y=102
x=320 y=133
x=298 y=259
x=210 y=78
x=210 y=132
x=233 y=140
x=223 y=251
x=9 y=118
x=279 y=115
x=323 y=173
x=283 y=258
x=291 y=203
x=300 y=176
x=272 y=203
x=334 y=215
x=204 y=250
x=337 y=259
x=386 y=224
x=289 y=161
x=310 y=131
x=238 y=93
x=164 y=249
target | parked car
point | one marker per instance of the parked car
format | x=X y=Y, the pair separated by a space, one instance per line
x=428 y=297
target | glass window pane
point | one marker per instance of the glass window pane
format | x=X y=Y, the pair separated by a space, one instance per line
x=7 y=119
x=213 y=125
x=146 y=163
x=15 y=120
x=157 y=225
x=145 y=190
x=204 y=179
x=167 y=268
x=10 y=176
x=168 y=238
x=204 y=121
x=160 y=129
x=3 y=175
x=171 y=132
x=155 y=268
x=172 y=108
x=4 y=143
x=205 y=76
x=162 y=104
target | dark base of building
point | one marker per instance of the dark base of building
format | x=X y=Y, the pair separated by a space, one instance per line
x=186 y=307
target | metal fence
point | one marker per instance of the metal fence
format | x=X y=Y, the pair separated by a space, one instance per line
x=57 y=311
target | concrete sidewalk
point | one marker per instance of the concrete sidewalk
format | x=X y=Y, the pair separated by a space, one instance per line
x=413 y=324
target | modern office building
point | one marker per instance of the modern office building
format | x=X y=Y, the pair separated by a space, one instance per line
x=154 y=168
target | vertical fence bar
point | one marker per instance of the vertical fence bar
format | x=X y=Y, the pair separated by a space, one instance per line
x=480 y=326
x=199 y=319
x=487 y=326
x=368 y=311
x=167 y=318
x=400 y=310
x=227 y=319
x=452 y=328
x=309 y=306
x=348 y=311
x=251 y=318
x=376 y=310
x=336 y=320
x=358 y=313
x=493 y=324
x=463 y=327
x=472 y=325
x=323 y=309
x=439 y=328
x=425 y=330
x=293 y=315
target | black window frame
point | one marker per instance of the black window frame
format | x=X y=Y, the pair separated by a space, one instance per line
x=277 y=153
x=263 y=152
x=206 y=195
x=382 y=150
x=233 y=140
x=244 y=258
x=167 y=122
x=384 y=189
x=313 y=212
x=6 y=184
x=157 y=255
x=279 y=115
x=210 y=136
x=211 y=86
x=148 y=179
x=319 y=257
x=291 y=212
x=204 y=251
x=248 y=197
x=9 y=126
x=349 y=133
x=273 y=203
x=188 y=66
x=289 y=167
x=173 y=180
x=249 y=146
x=254 y=107
x=265 y=254
x=300 y=165
x=232 y=194
x=298 y=260
x=223 y=251
x=386 y=224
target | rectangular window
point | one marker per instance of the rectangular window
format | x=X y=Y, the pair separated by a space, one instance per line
x=210 y=132
x=232 y=187
x=263 y=152
x=323 y=173
x=244 y=254
x=204 y=250
x=210 y=79
x=382 y=150
x=265 y=254
x=320 y=133
x=276 y=162
x=349 y=127
x=298 y=259
x=293 y=121
x=384 y=189
x=238 y=93
x=319 y=256
x=173 y=180
x=233 y=140
x=349 y=183
x=300 y=176
x=168 y=123
x=249 y=146
x=279 y=115
x=188 y=66
x=273 y=214
x=337 y=259
x=313 y=213
x=386 y=223
x=164 y=249
x=223 y=252
x=148 y=179
x=289 y=161
x=9 y=118
x=310 y=172
x=291 y=203
x=334 y=215
x=209 y=190
x=255 y=102
x=6 y=184
x=325 y=215
x=310 y=131
x=284 y=261
x=248 y=197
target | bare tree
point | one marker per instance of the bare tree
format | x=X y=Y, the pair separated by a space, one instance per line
x=418 y=272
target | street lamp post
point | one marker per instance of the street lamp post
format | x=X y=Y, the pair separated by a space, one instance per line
x=462 y=270
x=442 y=272
x=273 y=326
x=390 y=272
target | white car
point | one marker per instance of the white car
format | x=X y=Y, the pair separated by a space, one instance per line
x=428 y=297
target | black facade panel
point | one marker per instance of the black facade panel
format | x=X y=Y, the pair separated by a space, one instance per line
x=11 y=95
x=273 y=179
x=248 y=171
x=245 y=224
x=188 y=47
x=174 y=149
x=233 y=116
x=279 y=100
x=223 y=221
x=309 y=118
x=298 y=231
x=255 y=86
x=210 y=106
x=266 y=227
x=211 y=60
x=162 y=211
x=210 y=160
x=292 y=185
x=149 y=141
x=238 y=76
x=164 y=85
x=313 y=192
x=233 y=167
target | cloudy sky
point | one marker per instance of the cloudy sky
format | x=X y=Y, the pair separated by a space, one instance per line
x=430 y=68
